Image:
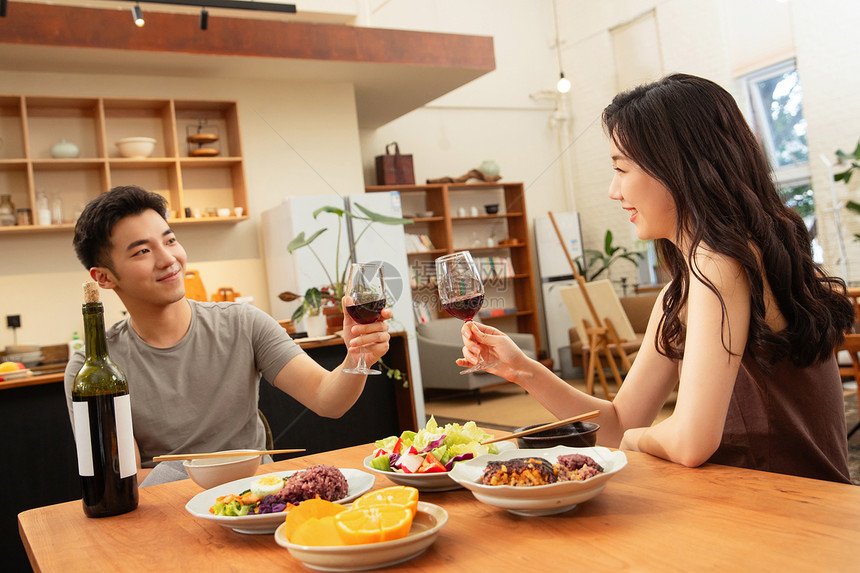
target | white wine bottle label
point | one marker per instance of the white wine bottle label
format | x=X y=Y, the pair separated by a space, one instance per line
x=84 y=446
x=125 y=436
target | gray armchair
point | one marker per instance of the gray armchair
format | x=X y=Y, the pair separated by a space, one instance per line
x=440 y=345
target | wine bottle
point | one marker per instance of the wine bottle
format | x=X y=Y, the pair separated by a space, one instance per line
x=102 y=420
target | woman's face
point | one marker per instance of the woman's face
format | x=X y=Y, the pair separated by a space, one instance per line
x=649 y=204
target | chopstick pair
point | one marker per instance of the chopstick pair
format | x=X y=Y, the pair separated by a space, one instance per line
x=176 y=457
x=550 y=426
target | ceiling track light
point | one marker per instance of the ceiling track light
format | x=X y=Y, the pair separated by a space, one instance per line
x=137 y=15
x=204 y=19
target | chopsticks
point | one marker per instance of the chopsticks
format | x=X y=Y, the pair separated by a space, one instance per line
x=175 y=457
x=550 y=426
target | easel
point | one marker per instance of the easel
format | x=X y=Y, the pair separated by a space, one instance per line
x=601 y=337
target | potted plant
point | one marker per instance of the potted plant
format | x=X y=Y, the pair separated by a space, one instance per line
x=600 y=261
x=328 y=296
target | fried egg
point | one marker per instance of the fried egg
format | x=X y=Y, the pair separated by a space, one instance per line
x=267 y=485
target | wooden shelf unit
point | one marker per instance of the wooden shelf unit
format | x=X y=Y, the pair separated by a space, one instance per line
x=31 y=125
x=450 y=232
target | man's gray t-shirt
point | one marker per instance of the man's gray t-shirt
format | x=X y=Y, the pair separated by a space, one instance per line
x=201 y=394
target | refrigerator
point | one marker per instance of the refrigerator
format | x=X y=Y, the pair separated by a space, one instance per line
x=555 y=273
x=300 y=270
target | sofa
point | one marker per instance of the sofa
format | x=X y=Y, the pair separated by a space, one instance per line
x=638 y=311
x=440 y=345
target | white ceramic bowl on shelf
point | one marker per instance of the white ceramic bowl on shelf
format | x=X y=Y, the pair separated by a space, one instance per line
x=136 y=147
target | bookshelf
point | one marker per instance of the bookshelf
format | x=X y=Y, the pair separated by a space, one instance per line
x=451 y=217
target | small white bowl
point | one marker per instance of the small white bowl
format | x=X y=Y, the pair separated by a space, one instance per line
x=207 y=473
x=136 y=147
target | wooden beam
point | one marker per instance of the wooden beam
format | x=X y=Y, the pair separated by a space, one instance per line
x=74 y=27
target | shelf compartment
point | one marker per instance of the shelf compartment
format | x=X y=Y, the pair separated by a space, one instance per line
x=75 y=187
x=139 y=118
x=12 y=127
x=52 y=119
x=223 y=115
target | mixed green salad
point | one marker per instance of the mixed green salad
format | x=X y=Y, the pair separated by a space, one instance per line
x=431 y=450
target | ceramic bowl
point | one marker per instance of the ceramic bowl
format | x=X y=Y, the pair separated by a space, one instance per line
x=542 y=499
x=576 y=435
x=491 y=209
x=136 y=147
x=207 y=473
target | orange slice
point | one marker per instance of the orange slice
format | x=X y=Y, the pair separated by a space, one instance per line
x=397 y=494
x=309 y=509
x=373 y=524
x=317 y=531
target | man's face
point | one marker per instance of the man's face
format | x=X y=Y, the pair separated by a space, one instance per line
x=148 y=262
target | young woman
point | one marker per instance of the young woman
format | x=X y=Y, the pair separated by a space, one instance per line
x=746 y=327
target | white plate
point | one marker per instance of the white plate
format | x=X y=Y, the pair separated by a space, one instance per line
x=543 y=499
x=15 y=375
x=426 y=524
x=359 y=483
x=431 y=482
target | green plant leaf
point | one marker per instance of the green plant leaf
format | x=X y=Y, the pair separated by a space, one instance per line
x=384 y=219
x=300 y=240
x=298 y=313
x=313 y=298
x=607 y=242
x=853 y=206
x=331 y=209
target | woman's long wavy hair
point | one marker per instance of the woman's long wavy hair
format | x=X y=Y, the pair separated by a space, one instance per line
x=688 y=133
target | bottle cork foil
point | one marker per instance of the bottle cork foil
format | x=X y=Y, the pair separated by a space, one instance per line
x=91 y=292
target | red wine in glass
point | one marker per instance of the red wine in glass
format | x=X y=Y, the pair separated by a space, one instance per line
x=366 y=312
x=365 y=290
x=465 y=307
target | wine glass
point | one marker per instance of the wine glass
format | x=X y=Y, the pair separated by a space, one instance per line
x=366 y=291
x=461 y=292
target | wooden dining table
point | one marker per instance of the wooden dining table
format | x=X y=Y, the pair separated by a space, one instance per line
x=652 y=516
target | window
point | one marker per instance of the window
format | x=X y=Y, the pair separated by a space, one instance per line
x=775 y=98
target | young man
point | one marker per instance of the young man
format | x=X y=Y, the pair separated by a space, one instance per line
x=194 y=368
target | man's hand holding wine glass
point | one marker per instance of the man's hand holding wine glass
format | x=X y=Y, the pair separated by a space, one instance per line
x=364 y=304
x=372 y=338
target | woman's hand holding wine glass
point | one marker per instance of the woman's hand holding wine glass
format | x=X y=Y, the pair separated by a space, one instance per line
x=461 y=291
x=364 y=303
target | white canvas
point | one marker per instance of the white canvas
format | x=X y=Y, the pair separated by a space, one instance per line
x=606 y=305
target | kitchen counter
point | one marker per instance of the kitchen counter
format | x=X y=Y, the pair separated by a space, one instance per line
x=32 y=380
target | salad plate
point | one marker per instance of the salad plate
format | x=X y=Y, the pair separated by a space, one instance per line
x=542 y=499
x=359 y=482
x=424 y=458
x=428 y=520
x=428 y=482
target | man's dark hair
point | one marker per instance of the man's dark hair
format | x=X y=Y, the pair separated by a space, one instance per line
x=95 y=225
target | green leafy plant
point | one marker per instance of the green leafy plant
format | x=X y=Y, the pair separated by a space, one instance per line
x=314 y=298
x=599 y=261
x=853 y=161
